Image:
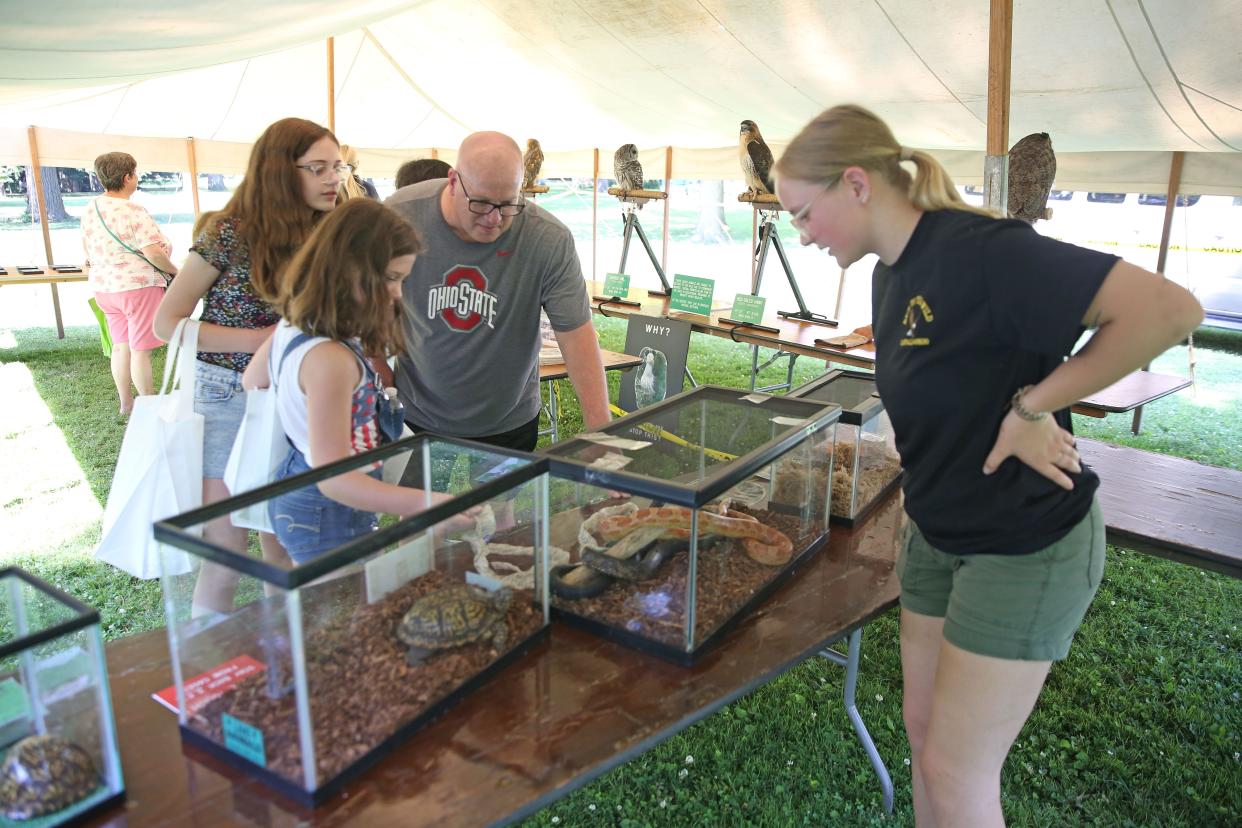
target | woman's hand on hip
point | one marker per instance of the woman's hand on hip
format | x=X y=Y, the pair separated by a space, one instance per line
x=1042 y=444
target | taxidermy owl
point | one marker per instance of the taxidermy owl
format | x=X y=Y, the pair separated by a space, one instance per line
x=756 y=159
x=1032 y=167
x=626 y=168
x=532 y=160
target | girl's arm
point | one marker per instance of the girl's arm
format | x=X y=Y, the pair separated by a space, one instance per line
x=1137 y=316
x=257 y=374
x=192 y=283
x=329 y=375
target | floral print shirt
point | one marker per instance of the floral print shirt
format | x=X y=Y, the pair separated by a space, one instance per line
x=231 y=300
x=113 y=269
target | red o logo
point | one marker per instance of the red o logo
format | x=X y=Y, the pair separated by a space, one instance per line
x=476 y=280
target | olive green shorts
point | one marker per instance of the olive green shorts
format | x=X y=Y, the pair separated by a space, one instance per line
x=1024 y=607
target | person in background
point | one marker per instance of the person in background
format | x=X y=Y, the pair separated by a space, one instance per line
x=352 y=184
x=127 y=255
x=974 y=318
x=422 y=169
x=235 y=267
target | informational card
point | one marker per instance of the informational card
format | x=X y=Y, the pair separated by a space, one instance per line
x=395 y=569
x=616 y=284
x=692 y=294
x=244 y=739
x=747 y=308
x=210 y=685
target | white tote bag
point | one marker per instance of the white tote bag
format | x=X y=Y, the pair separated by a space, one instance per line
x=159 y=472
x=257 y=451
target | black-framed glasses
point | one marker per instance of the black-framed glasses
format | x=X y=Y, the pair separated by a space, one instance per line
x=481 y=206
x=319 y=168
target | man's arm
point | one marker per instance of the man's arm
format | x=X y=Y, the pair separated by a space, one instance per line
x=580 y=348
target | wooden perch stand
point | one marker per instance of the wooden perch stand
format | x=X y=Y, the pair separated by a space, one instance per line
x=761 y=201
x=637 y=195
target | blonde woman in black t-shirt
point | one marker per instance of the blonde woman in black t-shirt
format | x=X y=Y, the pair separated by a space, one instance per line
x=974 y=318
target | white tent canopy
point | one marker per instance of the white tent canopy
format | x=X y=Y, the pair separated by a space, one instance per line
x=1119 y=84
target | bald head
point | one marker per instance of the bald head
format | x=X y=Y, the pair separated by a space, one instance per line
x=492 y=159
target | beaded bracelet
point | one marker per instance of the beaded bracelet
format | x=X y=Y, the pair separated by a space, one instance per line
x=1021 y=410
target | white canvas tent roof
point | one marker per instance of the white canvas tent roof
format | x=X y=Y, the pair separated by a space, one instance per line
x=1119 y=84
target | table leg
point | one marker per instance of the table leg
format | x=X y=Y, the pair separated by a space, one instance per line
x=1137 y=422
x=60 y=325
x=553 y=411
x=850 y=663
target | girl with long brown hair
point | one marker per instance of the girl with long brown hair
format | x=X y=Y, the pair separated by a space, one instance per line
x=235 y=266
x=974 y=318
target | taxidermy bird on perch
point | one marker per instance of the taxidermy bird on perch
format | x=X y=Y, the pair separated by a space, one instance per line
x=1032 y=168
x=627 y=169
x=756 y=158
x=532 y=161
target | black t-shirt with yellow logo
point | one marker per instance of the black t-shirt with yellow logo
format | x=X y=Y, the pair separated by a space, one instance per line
x=974 y=309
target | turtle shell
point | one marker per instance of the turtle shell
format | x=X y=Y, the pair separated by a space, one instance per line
x=453 y=616
x=44 y=774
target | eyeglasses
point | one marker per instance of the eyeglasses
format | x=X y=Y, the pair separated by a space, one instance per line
x=797 y=219
x=481 y=206
x=320 y=168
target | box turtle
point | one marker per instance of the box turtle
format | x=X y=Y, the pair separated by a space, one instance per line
x=44 y=774
x=452 y=617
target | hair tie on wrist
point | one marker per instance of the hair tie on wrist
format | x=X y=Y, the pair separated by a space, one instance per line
x=906 y=154
x=1017 y=405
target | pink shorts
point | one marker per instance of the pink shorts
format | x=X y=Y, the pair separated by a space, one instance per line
x=130 y=314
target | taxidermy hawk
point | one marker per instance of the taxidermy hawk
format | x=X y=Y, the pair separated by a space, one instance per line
x=756 y=159
x=1032 y=168
x=532 y=160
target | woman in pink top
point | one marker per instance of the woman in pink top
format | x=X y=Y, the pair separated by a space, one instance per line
x=126 y=252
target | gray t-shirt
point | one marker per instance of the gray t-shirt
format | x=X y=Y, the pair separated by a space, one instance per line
x=471 y=366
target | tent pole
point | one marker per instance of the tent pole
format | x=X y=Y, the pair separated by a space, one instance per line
x=189 y=151
x=668 y=183
x=35 y=184
x=996 y=164
x=1170 y=202
x=594 y=213
x=332 y=85
x=435 y=153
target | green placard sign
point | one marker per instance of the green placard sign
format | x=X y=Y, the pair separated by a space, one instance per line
x=747 y=308
x=14 y=705
x=244 y=740
x=692 y=294
x=616 y=284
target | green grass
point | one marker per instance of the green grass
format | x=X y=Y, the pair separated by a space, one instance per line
x=1142 y=725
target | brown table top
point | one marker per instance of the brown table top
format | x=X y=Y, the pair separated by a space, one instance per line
x=571 y=709
x=792 y=335
x=613 y=361
x=1169 y=506
x=1128 y=393
x=44 y=276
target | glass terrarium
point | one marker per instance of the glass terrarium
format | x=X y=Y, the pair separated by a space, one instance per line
x=682 y=516
x=864 y=458
x=61 y=760
x=313 y=668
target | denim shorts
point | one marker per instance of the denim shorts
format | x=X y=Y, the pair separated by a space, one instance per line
x=1022 y=607
x=218 y=396
x=308 y=523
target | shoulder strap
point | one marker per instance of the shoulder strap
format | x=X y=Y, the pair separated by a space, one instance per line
x=129 y=249
x=293 y=345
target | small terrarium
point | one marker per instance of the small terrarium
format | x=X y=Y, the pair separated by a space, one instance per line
x=865 y=463
x=61 y=760
x=317 y=667
x=681 y=517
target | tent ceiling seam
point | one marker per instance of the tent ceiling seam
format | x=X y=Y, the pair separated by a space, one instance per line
x=1134 y=59
x=405 y=138
x=336 y=96
x=930 y=71
x=632 y=51
x=117 y=108
x=758 y=59
x=1160 y=46
x=366 y=30
x=572 y=70
x=1212 y=97
x=233 y=100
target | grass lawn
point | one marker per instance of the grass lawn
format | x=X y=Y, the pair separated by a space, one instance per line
x=1142 y=725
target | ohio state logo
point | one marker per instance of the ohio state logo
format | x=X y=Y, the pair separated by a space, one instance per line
x=463 y=300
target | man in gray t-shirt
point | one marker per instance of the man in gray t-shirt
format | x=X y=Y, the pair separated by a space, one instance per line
x=471 y=366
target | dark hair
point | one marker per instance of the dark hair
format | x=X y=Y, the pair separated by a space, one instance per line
x=112 y=167
x=272 y=215
x=424 y=169
x=335 y=286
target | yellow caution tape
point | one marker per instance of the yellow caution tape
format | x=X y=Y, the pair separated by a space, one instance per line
x=656 y=431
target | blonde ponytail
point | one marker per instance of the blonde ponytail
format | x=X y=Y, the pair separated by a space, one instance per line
x=851 y=136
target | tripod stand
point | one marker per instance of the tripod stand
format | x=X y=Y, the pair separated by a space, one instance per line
x=769 y=238
x=629 y=215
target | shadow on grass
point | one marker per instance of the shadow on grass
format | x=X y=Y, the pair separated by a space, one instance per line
x=72 y=377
